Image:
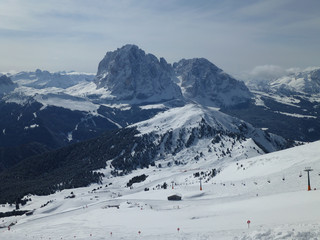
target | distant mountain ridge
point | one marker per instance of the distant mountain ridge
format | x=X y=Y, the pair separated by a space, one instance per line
x=305 y=82
x=45 y=79
x=288 y=105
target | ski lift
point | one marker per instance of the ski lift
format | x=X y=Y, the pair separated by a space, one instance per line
x=283 y=178
x=300 y=175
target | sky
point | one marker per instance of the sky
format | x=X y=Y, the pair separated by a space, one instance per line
x=240 y=37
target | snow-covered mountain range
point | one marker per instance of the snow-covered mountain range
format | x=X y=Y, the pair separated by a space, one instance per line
x=117 y=140
x=177 y=114
x=129 y=76
x=287 y=105
x=304 y=83
x=56 y=109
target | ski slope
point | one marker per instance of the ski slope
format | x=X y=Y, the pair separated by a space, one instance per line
x=267 y=190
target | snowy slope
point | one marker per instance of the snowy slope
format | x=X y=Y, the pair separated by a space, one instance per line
x=191 y=123
x=255 y=191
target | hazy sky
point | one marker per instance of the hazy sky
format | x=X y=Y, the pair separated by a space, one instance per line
x=237 y=36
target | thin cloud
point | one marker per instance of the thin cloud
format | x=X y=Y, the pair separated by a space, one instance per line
x=267 y=72
x=234 y=35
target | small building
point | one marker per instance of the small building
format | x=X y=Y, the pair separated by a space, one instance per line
x=175 y=197
x=29 y=213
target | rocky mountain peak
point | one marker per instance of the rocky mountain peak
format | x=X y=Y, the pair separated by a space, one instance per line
x=130 y=74
x=197 y=65
x=205 y=83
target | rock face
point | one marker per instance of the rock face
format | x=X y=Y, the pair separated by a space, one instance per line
x=131 y=75
x=6 y=85
x=4 y=80
x=205 y=83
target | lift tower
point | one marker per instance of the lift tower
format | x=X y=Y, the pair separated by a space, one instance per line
x=308 y=169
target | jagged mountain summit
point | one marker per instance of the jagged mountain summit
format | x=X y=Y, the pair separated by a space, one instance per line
x=203 y=82
x=129 y=74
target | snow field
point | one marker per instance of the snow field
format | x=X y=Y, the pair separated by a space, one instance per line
x=281 y=209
